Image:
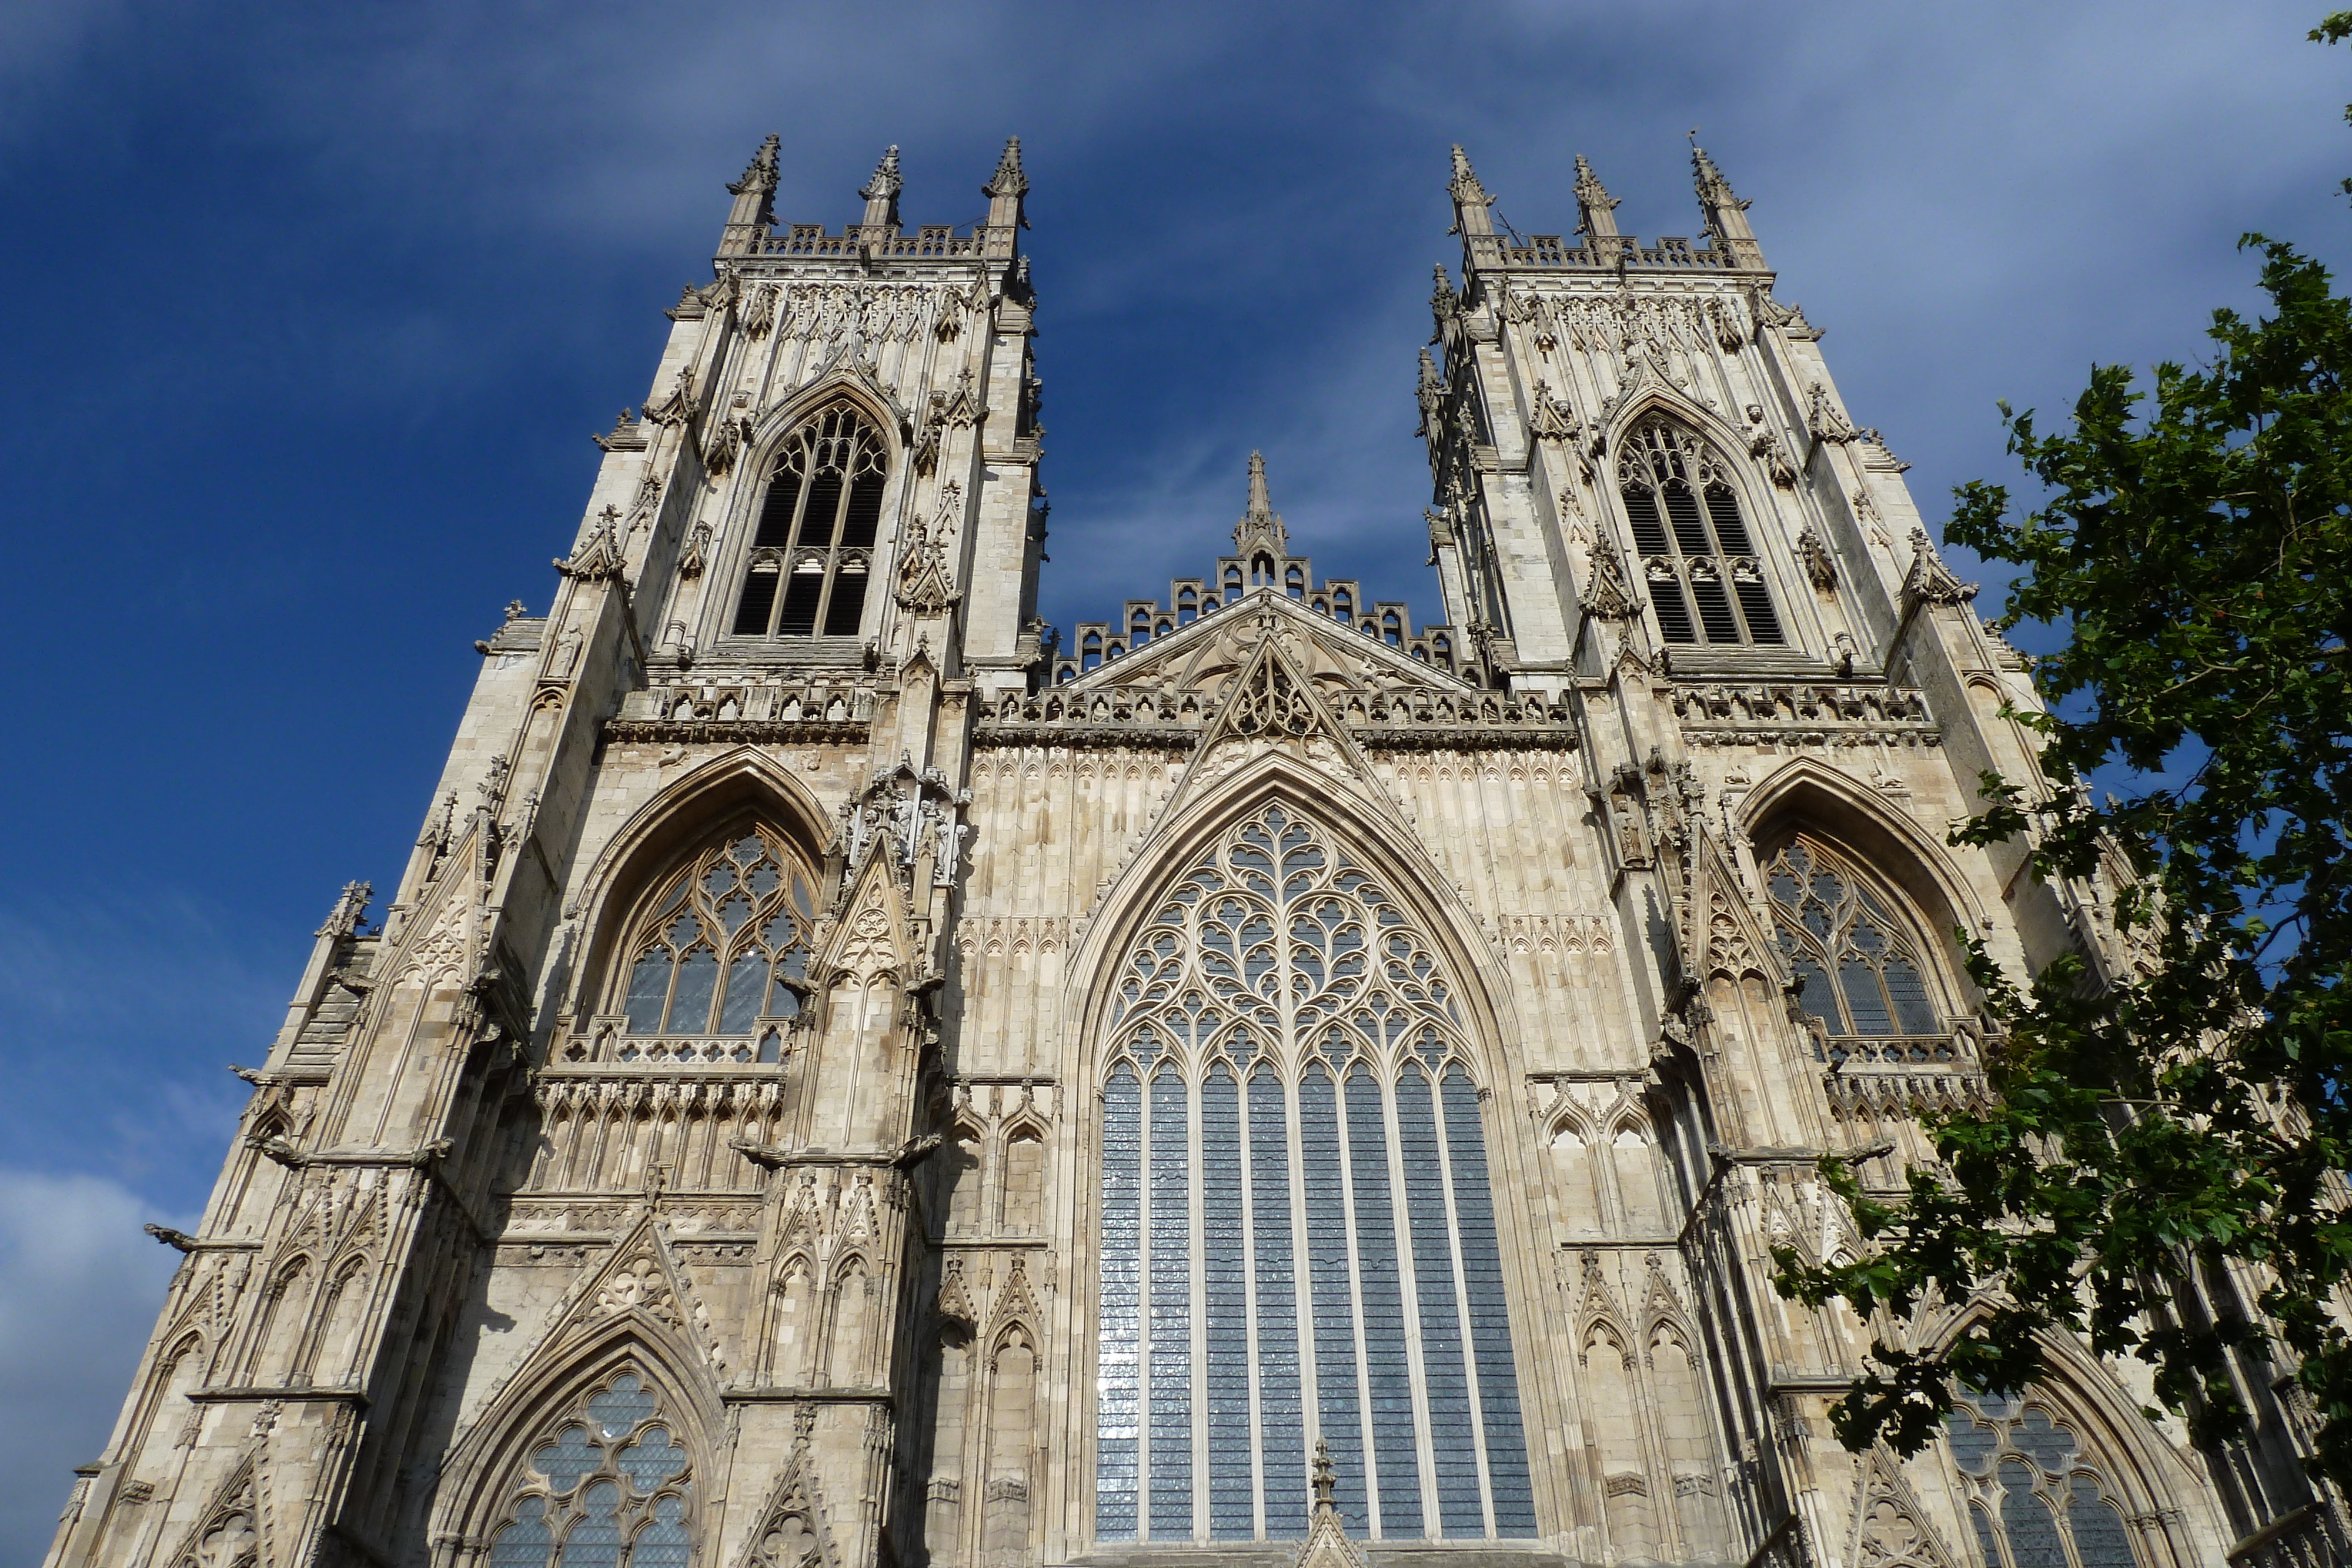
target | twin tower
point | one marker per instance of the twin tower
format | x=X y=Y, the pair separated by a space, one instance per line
x=850 y=1080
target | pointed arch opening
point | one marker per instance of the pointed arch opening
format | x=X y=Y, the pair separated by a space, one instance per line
x=1705 y=579
x=606 y=1478
x=1298 y=1238
x=1866 y=908
x=813 y=546
x=709 y=962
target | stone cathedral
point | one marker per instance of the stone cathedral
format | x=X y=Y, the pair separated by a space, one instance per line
x=851 y=1078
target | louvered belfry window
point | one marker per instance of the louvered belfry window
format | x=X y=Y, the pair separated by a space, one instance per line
x=1298 y=1238
x=1702 y=571
x=814 y=550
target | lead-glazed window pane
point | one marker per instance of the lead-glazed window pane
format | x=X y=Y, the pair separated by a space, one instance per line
x=1270 y=1029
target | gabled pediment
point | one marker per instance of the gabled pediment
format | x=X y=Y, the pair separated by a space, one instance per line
x=1204 y=657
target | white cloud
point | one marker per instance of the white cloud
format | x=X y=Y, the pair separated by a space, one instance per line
x=79 y=1288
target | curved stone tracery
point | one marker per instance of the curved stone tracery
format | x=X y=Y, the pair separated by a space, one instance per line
x=1298 y=1239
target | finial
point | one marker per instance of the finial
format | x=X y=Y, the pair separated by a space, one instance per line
x=885 y=183
x=1260 y=505
x=1008 y=180
x=1326 y=1479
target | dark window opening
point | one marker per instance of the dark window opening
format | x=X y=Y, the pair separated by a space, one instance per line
x=1698 y=561
x=818 y=524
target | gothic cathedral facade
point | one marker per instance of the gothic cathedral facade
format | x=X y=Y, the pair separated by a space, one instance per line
x=849 y=1078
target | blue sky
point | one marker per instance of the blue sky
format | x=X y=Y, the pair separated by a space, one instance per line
x=314 y=308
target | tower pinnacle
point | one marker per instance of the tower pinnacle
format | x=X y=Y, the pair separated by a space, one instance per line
x=1470 y=198
x=1005 y=188
x=754 y=194
x=1596 y=208
x=881 y=193
x=1725 y=214
x=1260 y=529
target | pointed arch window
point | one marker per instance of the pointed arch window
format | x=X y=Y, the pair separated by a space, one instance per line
x=814 y=550
x=722 y=951
x=1299 y=1237
x=2035 y=1499
x=607 y=1485
x=1859 y=970
x=1705 y=578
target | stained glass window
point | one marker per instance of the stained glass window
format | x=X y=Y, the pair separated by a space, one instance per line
x=608 y=1486
x=1298 y=1235
x=1693 y=542
x=814 y=551
x=2034 y=1500
x=1856 y=967
x=724 y=946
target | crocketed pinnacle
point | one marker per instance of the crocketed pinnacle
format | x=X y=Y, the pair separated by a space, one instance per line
x=760 y=174
x=1594 y=204
x=886 y=185
x=1713 y=190
x=1260 y=527
x=1465 y=184
x=1008 y=180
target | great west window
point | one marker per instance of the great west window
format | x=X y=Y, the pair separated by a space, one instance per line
x=1298 y=1239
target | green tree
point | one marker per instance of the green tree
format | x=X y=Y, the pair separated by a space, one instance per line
x=2191 y=554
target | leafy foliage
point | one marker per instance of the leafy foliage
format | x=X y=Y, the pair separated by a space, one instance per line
x=2163 y=1168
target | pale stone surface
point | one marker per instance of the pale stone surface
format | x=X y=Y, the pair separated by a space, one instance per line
x=852 y=1269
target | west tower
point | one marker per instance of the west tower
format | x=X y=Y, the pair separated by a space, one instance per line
x=845 y=1081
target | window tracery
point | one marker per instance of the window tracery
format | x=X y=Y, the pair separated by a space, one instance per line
x=609 y=1486
x=2035 y=1499
x=1299 y=1237
x=724 y=949
x=1693 y=541
x=1859 y=970
x=813 y=553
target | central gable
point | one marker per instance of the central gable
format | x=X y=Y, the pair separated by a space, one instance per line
x=1206 y=657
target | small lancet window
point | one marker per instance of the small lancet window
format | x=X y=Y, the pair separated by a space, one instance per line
x=1859 y=971
x=608 y=1483
x=1391 y=629
x=814 y=550
x=725 y=945
x=1693 y=543
x=1293 y=582
x=1187 y=607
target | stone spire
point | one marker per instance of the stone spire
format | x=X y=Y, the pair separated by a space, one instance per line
x=754 y=211
x=1596 y=209
x=1470 y=198
x=881 y=193
x=1260 y=531
x=1725 y=214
